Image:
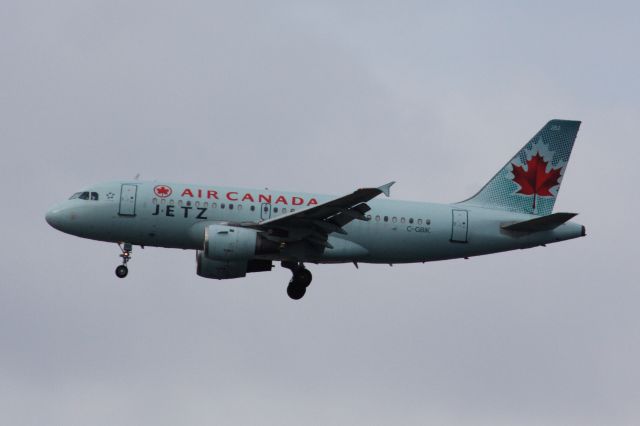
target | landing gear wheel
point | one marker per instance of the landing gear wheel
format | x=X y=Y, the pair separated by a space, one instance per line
x=302 y=277
x=122 y=271
x=296 y=291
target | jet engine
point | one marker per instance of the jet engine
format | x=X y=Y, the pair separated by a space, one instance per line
x=229 y=252
x=223 y=242
x=226 y=269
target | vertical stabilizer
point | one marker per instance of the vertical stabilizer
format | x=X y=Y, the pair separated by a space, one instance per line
x=530 y=181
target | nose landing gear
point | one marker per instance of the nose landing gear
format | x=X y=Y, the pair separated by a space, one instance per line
x=122 y=270
x=300 y=280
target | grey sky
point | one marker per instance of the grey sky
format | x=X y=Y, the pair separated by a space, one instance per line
x=327 y=97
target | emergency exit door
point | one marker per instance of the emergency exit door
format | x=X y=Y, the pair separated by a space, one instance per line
x=265 y=211
x=459 y=226
x=128 y=195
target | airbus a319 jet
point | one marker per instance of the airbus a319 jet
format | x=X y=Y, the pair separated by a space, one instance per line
x=236 y=231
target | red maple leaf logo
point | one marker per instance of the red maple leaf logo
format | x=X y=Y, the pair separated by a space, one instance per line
x=535 y=180
x=162 y=191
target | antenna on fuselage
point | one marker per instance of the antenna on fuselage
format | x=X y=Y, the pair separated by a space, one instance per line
x=137 y=176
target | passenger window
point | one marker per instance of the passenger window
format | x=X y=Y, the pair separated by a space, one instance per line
x=394 y=220
x=230 y=206
x=386 y=218
x=377 y=218
x=402 y=220
x=293 y=210
x=94 y=196
x=188 y=203
x=205 y=204
x=180 y=203
x=171 y=202
x=154 y=201
x=428 y=221
x=368 y=217
x=275 y=210
x=284 y=210
x=410 y=220
x=222 y=205
x=419 y=221
x=214 y=205
x=239 y=206
x=163 y=201
x=252 y=208
x=197 y=203
x=266 y=209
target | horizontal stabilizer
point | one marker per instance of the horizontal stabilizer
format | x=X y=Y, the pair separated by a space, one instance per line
x=544 y=223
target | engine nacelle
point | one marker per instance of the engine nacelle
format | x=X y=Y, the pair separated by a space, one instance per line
x=229 y=243
x=229 y=252
x=220 y=269
x=225 y=269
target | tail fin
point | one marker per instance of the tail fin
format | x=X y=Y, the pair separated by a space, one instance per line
x=530 y=181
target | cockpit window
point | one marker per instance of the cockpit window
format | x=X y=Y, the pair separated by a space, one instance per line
x=85 y=196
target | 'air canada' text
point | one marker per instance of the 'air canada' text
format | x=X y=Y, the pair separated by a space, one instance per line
x=210 y=194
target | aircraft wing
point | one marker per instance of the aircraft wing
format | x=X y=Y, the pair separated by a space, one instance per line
x=314 y=224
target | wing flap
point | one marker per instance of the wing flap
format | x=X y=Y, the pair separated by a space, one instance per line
x=355 y=213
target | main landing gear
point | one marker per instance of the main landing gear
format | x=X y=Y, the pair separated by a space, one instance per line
x=300 y=280
x=122 y=270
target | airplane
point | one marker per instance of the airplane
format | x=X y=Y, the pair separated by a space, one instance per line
x=236 y=231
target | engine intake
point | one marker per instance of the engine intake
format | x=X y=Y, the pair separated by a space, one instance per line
x=222 y=242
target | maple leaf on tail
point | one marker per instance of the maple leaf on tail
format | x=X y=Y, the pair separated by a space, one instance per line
x=535 y=180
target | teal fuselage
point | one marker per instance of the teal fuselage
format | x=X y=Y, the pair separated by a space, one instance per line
x=142 y=213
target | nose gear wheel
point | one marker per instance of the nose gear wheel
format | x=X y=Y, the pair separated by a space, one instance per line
x=126 y=249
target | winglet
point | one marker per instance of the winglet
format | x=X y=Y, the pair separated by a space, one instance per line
x=385 y=189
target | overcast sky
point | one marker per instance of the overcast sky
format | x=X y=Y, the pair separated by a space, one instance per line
x=317 y=96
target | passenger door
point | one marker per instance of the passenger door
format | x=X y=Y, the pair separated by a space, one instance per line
x=128 y=193
x=459 y=226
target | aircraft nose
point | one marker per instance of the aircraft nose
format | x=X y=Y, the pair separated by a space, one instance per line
x=54 y=217
x=50 y=217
